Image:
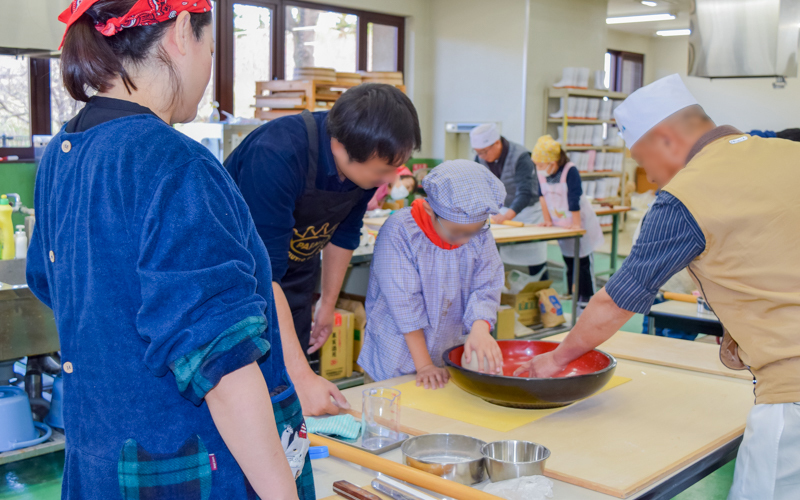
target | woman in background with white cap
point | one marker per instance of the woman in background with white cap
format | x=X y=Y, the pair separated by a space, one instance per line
x=511 y=163
x=743 y=259
x=436 y=279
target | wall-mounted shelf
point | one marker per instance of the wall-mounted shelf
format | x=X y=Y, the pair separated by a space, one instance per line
x=551 y=125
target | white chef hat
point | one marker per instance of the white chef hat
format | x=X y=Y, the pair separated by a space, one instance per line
x=650 y=105
x=464 y=192
x=484 y=136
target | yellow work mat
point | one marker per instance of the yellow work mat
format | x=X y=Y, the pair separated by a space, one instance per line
x=453 y=402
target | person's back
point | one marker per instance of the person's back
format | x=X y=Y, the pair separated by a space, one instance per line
x=98 y=230
x=748 y=272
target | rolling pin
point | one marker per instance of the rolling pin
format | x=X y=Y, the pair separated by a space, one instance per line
x=682 y=297
x=400 y=471
x=514 y=223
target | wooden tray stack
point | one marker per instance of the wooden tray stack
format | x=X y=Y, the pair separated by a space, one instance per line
x=318 y=74
x=389 y=77
x=314 y=89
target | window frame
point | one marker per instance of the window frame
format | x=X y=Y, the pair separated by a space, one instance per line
x=39 y=69
x=223 y=78
x=39 y=105
x=618 y=57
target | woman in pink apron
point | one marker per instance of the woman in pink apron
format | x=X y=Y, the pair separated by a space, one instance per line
x=565 y=206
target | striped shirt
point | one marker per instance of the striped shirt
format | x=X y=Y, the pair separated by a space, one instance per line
x=669 y=241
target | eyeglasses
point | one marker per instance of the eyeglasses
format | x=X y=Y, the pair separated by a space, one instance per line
x=454 y=238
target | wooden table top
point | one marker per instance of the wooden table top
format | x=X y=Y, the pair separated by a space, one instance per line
x=619 y=442
x=600 y=210
x=508 y=234
x=683 y=310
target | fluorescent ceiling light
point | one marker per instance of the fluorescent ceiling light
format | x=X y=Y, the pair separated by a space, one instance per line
x=673 y=32
x=640 y=19
x=649 y=3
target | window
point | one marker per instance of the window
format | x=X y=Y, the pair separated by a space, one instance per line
x=62 y=106
x=260 y=40
x=252 y=54
x=625 y=71
x=320 y=38
x=381 y=47
x=15 y=105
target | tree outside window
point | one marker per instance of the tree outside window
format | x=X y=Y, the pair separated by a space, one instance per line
x=15 y=106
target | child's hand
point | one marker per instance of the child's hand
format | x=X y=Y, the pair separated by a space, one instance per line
x=432 y=377
x=480 y=343
x=546 y=223
x=575 y=225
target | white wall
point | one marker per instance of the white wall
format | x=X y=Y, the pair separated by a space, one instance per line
x=746 y=103
x=31 y=24
x=640 y=44
x=562 y=33
x=477 y=65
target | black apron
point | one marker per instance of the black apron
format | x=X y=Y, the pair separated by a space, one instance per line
x=316 y=217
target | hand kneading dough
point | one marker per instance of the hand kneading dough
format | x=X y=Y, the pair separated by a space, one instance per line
x=473 y=365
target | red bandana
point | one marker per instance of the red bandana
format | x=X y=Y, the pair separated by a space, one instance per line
x=425 y=223
x=143 y=13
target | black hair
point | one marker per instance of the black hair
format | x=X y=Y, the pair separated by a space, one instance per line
x=90 y=60
x=563 y=159
x=375 y=120
x=416 y=184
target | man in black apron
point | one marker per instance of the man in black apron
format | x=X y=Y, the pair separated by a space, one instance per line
x=307 y=179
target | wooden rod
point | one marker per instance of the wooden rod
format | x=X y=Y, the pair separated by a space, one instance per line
x=400 y=471
x=682 y=297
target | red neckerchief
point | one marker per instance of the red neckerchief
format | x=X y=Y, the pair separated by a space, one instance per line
x=143 y=13
x=425 y=223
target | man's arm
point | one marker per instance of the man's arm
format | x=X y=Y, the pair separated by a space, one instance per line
x=314 y=391
x=670 y=239
x=335 y=261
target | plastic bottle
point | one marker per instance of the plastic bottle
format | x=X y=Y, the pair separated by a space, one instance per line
x=214 y=117
x=6 y=230
x=21 y=242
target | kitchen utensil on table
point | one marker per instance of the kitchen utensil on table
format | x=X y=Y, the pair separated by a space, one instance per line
x=397 y=490
x=380 y=417
x=352 y=492
x=402 y=472
x=451 y=456
x=55 y=418
x=376 y=447
x=17 y=428
x=513 y=223
x=582 y=377
x=512 y=459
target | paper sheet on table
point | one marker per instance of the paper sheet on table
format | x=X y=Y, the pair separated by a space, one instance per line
x=453 y=402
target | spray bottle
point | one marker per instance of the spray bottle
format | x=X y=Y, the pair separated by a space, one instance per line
x=6 y=230
x=21 y=242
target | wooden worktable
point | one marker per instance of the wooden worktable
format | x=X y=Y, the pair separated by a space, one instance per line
x=623 y=443
x=617 y=209
x=508 y=234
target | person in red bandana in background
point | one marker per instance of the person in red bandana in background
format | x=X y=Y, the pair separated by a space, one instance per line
x=175 y=381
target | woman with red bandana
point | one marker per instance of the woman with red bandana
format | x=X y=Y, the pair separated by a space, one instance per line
x=175 y=382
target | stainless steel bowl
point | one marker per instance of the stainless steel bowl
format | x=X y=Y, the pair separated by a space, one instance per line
x=513 y=459
x=451 y=456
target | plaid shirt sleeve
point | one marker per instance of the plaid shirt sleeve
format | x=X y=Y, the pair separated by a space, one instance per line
x=488 y=278
x=399 y=279
x=668 y=242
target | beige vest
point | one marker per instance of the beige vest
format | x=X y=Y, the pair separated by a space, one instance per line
x=744 y=193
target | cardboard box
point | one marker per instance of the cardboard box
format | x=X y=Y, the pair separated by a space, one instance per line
x=360 y=322
x=336 y=356
x=525 y=303
x=504 y=329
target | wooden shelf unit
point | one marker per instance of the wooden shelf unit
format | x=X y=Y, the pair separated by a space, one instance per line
x=550 y=125
x=276 y=98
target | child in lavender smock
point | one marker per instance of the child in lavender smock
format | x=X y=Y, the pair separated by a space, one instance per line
x=436 y=279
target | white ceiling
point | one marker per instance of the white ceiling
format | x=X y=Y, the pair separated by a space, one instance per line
x=680 y=8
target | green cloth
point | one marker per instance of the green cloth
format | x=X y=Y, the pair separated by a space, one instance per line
x=345 y=426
